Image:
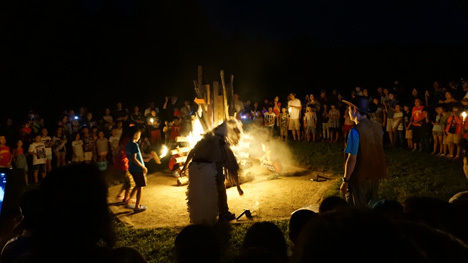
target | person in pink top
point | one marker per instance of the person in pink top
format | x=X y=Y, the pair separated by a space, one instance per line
x=5 y=154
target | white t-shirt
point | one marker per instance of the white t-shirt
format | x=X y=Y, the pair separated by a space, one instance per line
x=269 y=119
x=40 y=153
x=48 y=144
x=396 y=116
x=294 y=113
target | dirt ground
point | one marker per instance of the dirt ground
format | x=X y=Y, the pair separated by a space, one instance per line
x=267 y=197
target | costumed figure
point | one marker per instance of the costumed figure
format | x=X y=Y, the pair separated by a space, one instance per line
x=211 y=160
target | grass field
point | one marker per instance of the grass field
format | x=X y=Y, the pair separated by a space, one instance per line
x=410 y=174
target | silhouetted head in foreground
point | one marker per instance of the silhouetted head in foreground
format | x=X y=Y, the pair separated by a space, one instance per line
x=352 y=236
x=75 y=215
x=197 y=243
x=264 y=238
x=332 y=203
x=298 y=221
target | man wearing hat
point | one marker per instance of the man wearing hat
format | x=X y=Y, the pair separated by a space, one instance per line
x=365 y=161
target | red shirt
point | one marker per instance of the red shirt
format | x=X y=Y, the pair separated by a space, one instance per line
x=5 y=156
x=417 y=114
x=277 y=110
x=457 y=122
x=121 y=161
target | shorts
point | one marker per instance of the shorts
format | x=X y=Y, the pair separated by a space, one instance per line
x=39 y=167
x=139 y=178
x=310 y=130
x=88 y=156
x=437 y=133
x=389 y=125
x=49 y=154
x=409 y=134
x=294 y=125
x=453 y=138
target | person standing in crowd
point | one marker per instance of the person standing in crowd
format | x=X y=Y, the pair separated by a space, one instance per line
x=121 y=164
x=89 y=146
x=59 y=142
x=284 y=124
x=416 y=122
x=389 y=105
x=77 y=147
x=325 y=127
x=102 y=147
x=121 y=114
x=114 y=144
x=437 y=131
x=5 y=154
x=310 y=124
x=148 y=110
x=107 y=120
x=89 y=121
x=294 y=108
x=334 y=123
x=25 y=133
x=269 y=120
x=408 y=128
x=398 y=128
x=454 y=130
x=20 y=161
x=136 y=168
x=45 y=138
x=136 y=117
x=152 y=124
x=365 y=162
x=378 y=114
x=37 y=150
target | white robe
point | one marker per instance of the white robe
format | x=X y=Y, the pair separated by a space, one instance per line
x=202 y=194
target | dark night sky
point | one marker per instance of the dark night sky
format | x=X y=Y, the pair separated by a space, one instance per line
x=57 y=54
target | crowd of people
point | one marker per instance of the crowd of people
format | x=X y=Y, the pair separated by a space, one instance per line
x=49 y=226
x=431 y=119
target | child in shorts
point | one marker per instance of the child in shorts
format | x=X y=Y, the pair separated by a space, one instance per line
x=102 y=146
x=37 y=150
x=310 y=124
x=284 y=124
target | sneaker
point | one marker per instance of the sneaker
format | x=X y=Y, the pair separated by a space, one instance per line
x=139 y=209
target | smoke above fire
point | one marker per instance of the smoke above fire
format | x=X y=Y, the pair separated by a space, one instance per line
x=259 y=153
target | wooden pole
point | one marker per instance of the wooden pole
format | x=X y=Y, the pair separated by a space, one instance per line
x=226 y=110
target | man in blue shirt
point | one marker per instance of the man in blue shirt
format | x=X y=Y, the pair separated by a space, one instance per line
x=136 y=168
x=365 y=162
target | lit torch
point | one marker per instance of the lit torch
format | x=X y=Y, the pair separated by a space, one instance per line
x=151 y=120
x=464 y=115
